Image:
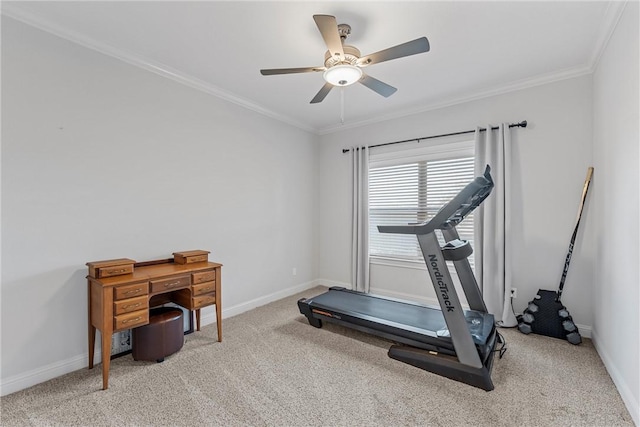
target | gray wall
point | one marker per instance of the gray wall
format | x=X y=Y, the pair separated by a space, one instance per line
x=616 y=190
x=551 y=157
x=103 y=160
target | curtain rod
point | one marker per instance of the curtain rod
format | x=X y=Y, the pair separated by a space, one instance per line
x=522 y=124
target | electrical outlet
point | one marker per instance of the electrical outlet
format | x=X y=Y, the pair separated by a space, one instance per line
x=294 y=271
x=514 y=293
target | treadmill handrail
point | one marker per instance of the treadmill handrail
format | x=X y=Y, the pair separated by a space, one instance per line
x=468 y=199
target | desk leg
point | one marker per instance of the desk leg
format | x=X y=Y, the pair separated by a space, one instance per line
x=92 y=343
x=92 y=329
x=219 y=321
x=106 y=358
x=219 y=302
x=198 y=320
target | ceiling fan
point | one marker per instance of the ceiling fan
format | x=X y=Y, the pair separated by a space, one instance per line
x=343 y=64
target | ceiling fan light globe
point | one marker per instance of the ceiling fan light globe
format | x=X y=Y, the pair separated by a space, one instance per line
x=342 y=75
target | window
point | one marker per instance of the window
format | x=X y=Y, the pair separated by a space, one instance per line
x=412 y=188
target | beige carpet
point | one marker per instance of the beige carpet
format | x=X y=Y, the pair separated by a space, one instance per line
x=274 y=369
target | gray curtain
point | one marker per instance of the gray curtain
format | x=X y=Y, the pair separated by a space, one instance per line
x=493 y=224
x=360 y=219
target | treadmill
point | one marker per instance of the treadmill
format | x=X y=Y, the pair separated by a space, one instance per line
x=447 y=340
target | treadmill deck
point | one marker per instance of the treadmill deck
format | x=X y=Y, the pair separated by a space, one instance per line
x=416 y=319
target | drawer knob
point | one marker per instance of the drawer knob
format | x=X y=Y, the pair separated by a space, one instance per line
x=133 y=291
x=132 y=320
x=171 y=285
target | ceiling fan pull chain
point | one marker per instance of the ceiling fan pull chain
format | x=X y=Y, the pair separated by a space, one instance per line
x=342 y=105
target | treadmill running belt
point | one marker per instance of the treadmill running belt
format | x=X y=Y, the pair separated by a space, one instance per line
x=405 y=315
x=409 y=316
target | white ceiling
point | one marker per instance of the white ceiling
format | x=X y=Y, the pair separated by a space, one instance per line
x=478 y=48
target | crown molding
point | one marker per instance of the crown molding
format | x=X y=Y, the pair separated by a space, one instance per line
x=448 y=102
x=147 y=64
x=609 y=23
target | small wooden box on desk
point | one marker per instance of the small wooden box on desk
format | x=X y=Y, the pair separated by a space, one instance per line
x=121 y=292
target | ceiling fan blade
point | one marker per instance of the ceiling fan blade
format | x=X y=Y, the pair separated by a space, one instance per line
x=322 y=93
x=274 y=71
x=405 y=49
x=329 y=29
x=377 y=86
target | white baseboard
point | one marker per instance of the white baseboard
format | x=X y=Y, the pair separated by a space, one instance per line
x=45 y=373
x=210 y=318
x=632 y=405
x=585 y=330
x=329 y=283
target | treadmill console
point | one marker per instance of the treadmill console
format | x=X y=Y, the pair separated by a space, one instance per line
x=451 y=214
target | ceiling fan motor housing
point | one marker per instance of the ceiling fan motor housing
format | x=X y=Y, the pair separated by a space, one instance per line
x=344 y=30
x=351 y=55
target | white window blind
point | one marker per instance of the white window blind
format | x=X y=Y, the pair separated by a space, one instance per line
x=414 y=192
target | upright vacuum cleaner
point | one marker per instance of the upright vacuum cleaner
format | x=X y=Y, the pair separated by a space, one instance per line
x=546 y=315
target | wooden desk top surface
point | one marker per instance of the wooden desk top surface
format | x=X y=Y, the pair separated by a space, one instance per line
x=154 y=271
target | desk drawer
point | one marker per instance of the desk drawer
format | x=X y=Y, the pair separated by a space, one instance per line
x=203 y=301
x=204 y=288
x=131 y=320
x=190 y=257
x=131 y=291
x=130 y=304
x=204 y=276
x=116 y=270
x=170 y=284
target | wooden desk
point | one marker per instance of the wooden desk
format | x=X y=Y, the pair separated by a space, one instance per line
x=122 y=301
